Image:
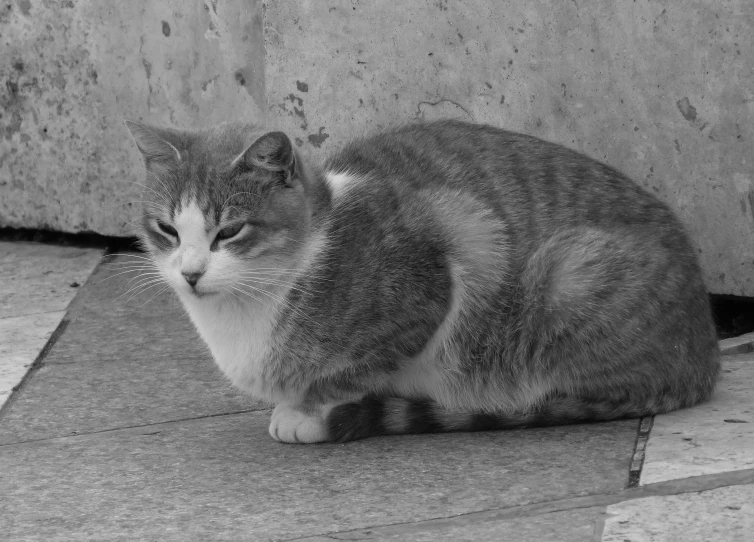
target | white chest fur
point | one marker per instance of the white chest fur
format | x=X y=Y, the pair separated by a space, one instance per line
x=239 y=335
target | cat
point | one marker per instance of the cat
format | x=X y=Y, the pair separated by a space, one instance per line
x=439 y=276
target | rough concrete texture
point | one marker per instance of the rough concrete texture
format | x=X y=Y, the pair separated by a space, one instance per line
x=72 y=71
x=713 y=437
x=38 y=278
x=720 y=514
x=661 y=90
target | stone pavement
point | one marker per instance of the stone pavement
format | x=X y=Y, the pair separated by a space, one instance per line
x=123 y=429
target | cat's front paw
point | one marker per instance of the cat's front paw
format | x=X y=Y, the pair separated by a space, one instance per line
x=289 y=424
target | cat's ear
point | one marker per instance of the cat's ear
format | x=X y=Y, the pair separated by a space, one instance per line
x=153 y=143
x=272 y=151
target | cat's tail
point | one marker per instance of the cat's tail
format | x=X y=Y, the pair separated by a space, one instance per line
x=374 y=416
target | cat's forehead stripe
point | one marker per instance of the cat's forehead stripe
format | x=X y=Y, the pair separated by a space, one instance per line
x=191 y=223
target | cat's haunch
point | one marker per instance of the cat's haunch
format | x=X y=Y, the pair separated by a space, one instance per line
x=435 y=277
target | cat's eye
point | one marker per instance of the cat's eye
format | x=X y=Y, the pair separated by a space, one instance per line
x=167 y=229
x=229 y=232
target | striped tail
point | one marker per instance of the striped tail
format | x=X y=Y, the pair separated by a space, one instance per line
x=375 y=416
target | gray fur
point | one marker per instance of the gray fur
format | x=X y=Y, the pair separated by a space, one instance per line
x=472 y=279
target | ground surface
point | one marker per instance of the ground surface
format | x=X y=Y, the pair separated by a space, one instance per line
x=124 y=429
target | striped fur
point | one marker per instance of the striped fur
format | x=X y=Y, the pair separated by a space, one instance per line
x=435 y=277
x=377 y=416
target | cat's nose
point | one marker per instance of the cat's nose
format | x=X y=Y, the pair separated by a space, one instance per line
x=192 y=277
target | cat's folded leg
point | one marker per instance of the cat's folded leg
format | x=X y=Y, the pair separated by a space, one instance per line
x=299 y=424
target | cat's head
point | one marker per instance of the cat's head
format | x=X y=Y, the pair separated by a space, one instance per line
x=225 y=211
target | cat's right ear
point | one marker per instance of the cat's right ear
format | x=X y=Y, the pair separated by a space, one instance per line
x=153 y=143
x=272 y=151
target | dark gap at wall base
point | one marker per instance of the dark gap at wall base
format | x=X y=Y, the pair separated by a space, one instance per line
x=81 y=240
x=733 y=315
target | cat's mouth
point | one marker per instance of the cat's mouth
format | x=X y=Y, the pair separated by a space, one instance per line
x=202 y=295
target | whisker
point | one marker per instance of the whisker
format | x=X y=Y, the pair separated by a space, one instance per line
x=131 y=255
x=272 y=282
x=124 y=263
x=227 y=291
x=133 y=266
x=252 y=296
x=145 y=281
x=152 y=275
x=139 y=272
x=280 y=271
x=159 y=292
x=140 y=288
x=277 y=276
x=140 y=292
x=282 y=301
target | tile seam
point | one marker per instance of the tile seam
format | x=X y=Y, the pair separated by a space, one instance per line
x=660 y=489
x=64 y=309
x=35 y=365
x=60 y=328
x=126 y=430
x=640 y=446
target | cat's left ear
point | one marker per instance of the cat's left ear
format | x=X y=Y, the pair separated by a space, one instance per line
x=154 y=143
x=273 y=152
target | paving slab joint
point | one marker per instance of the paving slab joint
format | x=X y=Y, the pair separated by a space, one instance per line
x=36 y=364
x=637 y=459
x=410 y=530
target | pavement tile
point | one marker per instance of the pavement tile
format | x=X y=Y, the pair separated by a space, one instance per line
x=95 y=395
x=116 y=286
x=37 y=282
x=116 y=365
x=38 y=278
x=224 y=478
x=106 y=320
x=21 y=340
x=713 y=437
x=724 y=514
x=96 y=333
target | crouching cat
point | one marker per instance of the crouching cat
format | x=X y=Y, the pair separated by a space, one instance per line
x=436 y=277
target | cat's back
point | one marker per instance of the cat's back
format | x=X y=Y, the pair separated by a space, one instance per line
x=535 y=186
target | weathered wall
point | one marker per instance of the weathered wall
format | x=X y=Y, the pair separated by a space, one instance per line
x=73 y=70
x=662 y=90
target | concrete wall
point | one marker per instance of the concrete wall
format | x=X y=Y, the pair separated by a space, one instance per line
x=73 y=70
x=662 y=90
